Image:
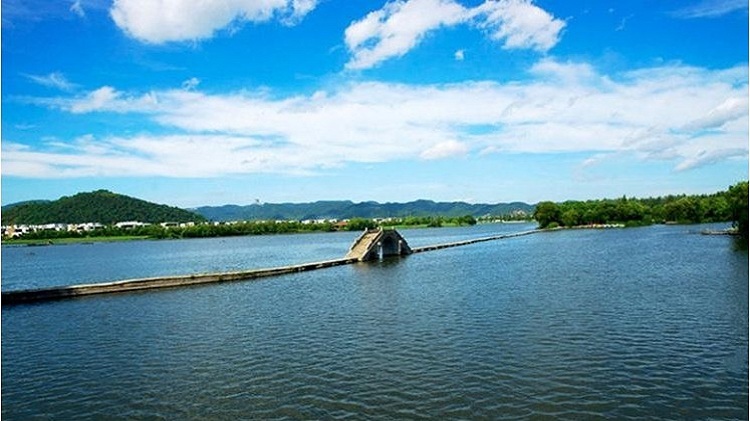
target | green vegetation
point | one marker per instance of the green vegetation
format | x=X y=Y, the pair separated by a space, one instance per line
x=201 y=230
x=156 y=231
x=737 y=198
x=107 y=208
x=730 y=205
x=99 y=206
x=431 y=221
x=546 y=213
x=72 y=240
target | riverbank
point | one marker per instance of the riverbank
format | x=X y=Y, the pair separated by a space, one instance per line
x=121 y=238
x=72 y=240
x=174 y=234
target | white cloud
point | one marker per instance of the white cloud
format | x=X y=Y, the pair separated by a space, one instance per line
x=710 y=157
x=96 y=100
x=105 y=98
x=445 y=149
x=397 y=28
x=710 y=9
x=459 y=55
x=191 y=84
x=53 y=80
x=729 y=110
x=401 y=25
x=160 y=21
x=569 y=72
x=77 y=8
x=623 y=23
x=300 y=8
x=683 y=115
x=520 y=24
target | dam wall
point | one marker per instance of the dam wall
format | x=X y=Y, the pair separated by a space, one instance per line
x=365 y=248
x=56 y=293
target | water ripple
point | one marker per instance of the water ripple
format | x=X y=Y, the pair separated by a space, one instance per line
x=537 y=327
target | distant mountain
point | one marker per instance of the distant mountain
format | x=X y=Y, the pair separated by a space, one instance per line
x=99 y=206
x=106 y=207
x=348 y=209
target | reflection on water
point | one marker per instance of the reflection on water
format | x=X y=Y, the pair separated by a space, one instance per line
x=638 y=323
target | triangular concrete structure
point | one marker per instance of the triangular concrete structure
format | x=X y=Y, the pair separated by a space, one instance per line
x=378 y=243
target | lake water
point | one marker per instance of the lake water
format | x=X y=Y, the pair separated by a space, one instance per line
x=647 y=323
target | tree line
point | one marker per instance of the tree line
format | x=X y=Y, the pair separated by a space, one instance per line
x=205 y=230
x=432 y=221
x=724 y=206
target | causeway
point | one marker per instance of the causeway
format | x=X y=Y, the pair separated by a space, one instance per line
x=371 y=245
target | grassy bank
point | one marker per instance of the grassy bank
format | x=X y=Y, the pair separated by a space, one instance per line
x=75 y=240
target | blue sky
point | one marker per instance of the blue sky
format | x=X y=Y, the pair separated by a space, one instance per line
x=215 y=102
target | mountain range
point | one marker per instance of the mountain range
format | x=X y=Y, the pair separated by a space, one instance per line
x=106 y=207
x=347 y=209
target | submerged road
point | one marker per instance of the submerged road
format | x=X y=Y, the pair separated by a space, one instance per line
x=57 y=293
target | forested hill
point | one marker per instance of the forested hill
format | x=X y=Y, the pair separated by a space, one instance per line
x=348 y=209
x=99 y=206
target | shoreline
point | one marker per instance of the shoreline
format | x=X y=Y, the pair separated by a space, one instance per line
x=122 y=238
x=41 y=242
x=73 y=240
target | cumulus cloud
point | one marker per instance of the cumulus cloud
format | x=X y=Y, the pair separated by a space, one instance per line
x=397 y=28
x=299 y=9
x=684 y=115
x=160 y=21
x=520 y=24
x=401 y=25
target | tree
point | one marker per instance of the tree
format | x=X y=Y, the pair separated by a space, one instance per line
x=570 y=218
x=547 y=213
x=716 y=208
x=359 y=224
x=684 y=209
x=738 y=205
x=466 y=220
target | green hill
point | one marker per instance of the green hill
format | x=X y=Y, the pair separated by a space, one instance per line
x=99 y=206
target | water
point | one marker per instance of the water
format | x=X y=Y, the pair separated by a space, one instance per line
x=37 y=267
x=647 y=323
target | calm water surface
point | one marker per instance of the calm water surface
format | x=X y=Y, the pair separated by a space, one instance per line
x=646 y=323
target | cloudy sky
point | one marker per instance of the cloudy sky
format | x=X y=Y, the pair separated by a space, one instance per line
x=232 y=101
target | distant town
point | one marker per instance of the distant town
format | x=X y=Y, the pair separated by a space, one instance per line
x=18 y=231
